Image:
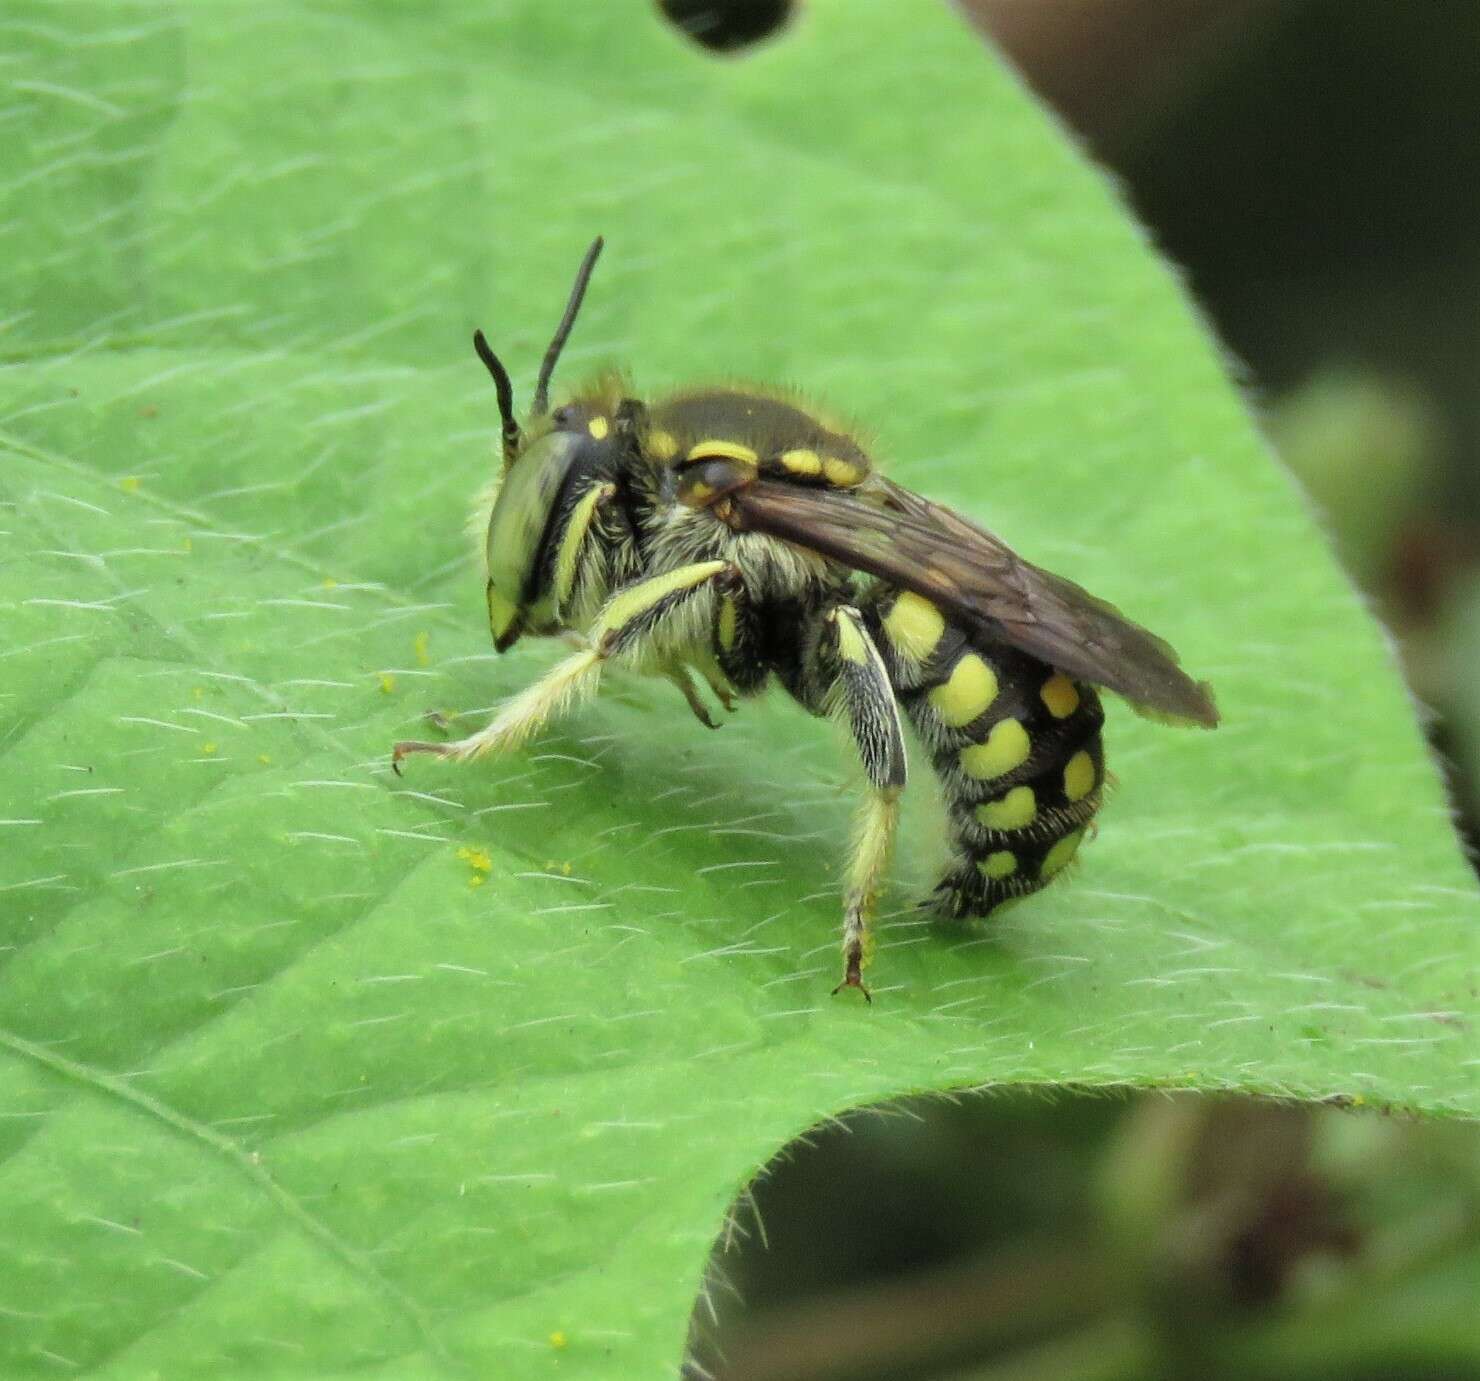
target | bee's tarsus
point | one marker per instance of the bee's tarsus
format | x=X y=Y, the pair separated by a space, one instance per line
x=853 y=975
x=684 y=681
x=406 y=747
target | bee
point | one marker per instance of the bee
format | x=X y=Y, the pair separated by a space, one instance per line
x=729 y=538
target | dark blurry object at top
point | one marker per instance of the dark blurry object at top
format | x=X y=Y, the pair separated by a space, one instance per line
x=727 y=26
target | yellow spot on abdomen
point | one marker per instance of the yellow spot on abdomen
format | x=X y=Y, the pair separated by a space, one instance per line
x=722 y=450
x=1007 y=747
x=802 y=462
x=599 y=427
x=1079 y=776
x=1059 y=695
x=1002 y=864
x=843 y=473
x=1012 y=812
x=972 y=687
x=914 y=625
x=1058 y=857
x=662 y=445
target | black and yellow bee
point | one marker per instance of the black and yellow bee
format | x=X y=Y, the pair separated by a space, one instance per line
x=729 y=536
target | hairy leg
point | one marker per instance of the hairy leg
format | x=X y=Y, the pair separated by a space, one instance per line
x=861 y=693
x=623 y=631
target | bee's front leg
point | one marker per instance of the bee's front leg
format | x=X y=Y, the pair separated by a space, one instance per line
x=624 y=631
x=858 y=690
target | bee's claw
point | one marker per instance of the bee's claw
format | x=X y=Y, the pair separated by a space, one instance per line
x=682 y=680
x=853 y=974
x=407 y=747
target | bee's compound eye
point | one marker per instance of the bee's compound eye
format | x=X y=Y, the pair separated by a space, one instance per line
x=517 y=526
x=706 y=481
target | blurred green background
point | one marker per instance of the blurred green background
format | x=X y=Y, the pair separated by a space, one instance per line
x=323 y=1097
x=1313 y=168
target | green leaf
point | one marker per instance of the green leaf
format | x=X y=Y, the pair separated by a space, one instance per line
x=304 y=1068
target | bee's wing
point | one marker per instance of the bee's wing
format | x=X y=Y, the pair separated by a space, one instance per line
x=892 y=533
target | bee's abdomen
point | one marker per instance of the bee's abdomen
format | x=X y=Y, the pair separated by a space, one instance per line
x=1016 y=746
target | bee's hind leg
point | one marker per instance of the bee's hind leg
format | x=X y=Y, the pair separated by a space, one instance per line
x=861 y=693
x=623 y=631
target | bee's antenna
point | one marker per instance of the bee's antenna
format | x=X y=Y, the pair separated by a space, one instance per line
x=505 y=391
x=577 y=292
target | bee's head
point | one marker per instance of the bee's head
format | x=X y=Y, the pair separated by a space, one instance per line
x=525 y=528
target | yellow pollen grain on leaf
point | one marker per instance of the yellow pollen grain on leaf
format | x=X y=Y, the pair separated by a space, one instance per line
x=599 y=427
x=387 y=683
x=1002 y=864
x=1059 y=695
x=802 y=461
x=843 y=473
x=1006 y=748
x=187 y=546
x=662 y=445
x=422 y=644
x=1079 y=776
x=914 y=625
x=971 y=688
x=478 y=861
x=1058 y=857
x=130 y=484
x=264 y=759
x=558 y=1340
x=725 y=450
x=330 y=583
x=208 y=749
x=197 y=693
x=1012 y=812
